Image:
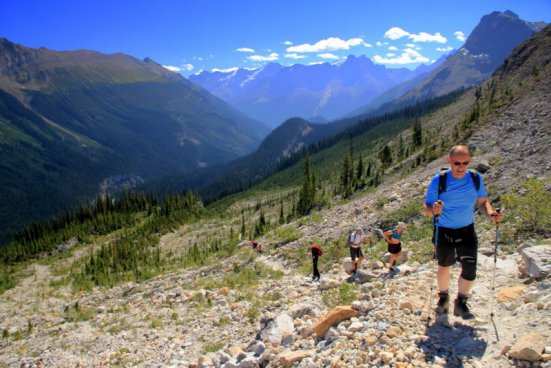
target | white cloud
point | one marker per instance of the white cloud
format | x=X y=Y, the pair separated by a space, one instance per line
x=426 y=37
x=328 y=44
x=272 y=57
x=228 y=70
x=177 y=69
x=172 y=68
x=288 y=43
x=395 y=33
x=393 y=48
x=410 y=45
x=390 y=54
x=379 y=43
x=328 y=55
x=294 y=56
x=408 y=56
x=317 y=63
x=444 y=49
x=460 y=36
x=245 y=49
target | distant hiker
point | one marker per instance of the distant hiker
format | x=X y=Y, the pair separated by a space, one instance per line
x=259 y=248
x=458 y=189
x=254 y=245
x=393 y=238
x=355 y=241
x=316 y=252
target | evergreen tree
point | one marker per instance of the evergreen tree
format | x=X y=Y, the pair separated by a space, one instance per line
x=360 y=169
x=281 y=214
x=385 y=155
x=308 y=191
x=401 y=148
x=347 y=173
x=417 y=135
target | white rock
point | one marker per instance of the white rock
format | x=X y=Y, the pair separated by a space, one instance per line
x=537 y=260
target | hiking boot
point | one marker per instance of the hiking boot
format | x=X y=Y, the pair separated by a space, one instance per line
x=443 y=305
x=460 y=309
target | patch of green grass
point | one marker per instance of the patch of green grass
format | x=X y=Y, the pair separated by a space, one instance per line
x=7 y=278
x=223 y=321
x=343 y=295
x=408 y=211
x=529 y=209
x=312 y=219
x=77 y=313
x=287 y=233
x=253 y=312
x=242 y=277
x=211 y=347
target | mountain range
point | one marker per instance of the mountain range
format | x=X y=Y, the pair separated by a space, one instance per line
x=275 y=93
x=73 y=121
x=76 y=123
x=495 y=34
x=490 y=42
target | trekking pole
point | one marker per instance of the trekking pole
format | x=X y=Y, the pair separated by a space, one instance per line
x=495 y=265
x=436 y=219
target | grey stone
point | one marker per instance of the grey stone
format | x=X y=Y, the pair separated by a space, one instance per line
x=249 y=362
x=281 y=326
x=300 y=310
x=364 y=276
x=537 y=260
x=483 y=166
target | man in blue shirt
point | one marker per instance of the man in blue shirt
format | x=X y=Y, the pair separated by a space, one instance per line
x=456 y=235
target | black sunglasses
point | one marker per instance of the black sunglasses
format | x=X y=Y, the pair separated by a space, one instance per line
x=466 y=163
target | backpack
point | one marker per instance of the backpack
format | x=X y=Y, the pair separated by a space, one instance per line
x=320 y=251
x=443 y=177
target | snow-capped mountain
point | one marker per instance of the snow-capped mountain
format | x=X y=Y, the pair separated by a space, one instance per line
x=275 y=92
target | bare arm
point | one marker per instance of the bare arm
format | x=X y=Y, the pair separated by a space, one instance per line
x=487 y=210
x=435 y=209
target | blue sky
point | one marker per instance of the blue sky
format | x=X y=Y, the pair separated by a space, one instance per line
x=193 y=35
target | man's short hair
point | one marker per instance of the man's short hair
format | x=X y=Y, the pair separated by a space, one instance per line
x=460 y=149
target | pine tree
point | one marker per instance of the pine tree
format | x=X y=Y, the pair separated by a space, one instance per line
x=401 y=149
x=360 y=169
x=347 y=173
x=308 y=191
x=385 y=155
x=417 y=136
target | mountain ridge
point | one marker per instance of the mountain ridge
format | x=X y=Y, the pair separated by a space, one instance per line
x=276 y=93
x=62 y=111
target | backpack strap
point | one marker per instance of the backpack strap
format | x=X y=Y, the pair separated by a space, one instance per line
x=442 y=180
x=476 y=178
x=443 y=176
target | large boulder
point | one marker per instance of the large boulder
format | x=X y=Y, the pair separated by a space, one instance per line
x=301 y=309
x=332 y=318
x=528 y=347
x=282 y=325
x=347 y=264
x=537 y=260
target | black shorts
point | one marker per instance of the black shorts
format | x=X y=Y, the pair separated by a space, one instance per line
x=356 y=253
x=453 y=244
x=394 y=248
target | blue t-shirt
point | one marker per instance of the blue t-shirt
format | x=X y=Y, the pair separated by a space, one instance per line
x=459 y=199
